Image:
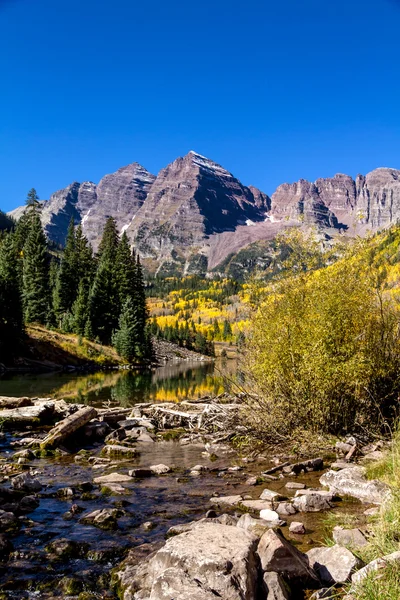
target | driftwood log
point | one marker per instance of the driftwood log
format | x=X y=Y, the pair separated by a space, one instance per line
x=67 y=427
x=27 y=415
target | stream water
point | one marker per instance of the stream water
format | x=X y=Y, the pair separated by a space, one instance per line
x=149 y=506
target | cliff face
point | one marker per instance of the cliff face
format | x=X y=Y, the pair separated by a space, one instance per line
x=190 y=200
x=195 y=213
x=119 y=195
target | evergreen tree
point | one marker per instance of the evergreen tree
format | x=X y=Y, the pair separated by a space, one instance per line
x=84 y=257
x=126 y=270
x=227 y=330
x=127 y=340
x=35 y=288
x=11 y=319
x=104 y=305
x=32 y=199
x=80 y=309
x=67 y=284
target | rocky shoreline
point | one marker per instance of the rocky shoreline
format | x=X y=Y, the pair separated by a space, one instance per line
x=153 y=502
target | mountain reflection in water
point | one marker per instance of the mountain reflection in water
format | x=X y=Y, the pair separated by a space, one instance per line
x=171 y=383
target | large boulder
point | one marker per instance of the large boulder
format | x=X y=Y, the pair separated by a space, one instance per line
x=210 y=559
x=353 y=482
x=280 y=556
x=333 y=565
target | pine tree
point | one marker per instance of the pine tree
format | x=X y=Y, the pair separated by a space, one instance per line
x=127 y=340
x=67 y=281
x=32 y=199
x=35 y=288
x=84 y=257
x=80 y=309
x=126 y=270
x=104 y=305
x=11 y=318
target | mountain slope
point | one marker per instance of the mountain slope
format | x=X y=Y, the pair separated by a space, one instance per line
x=194 y=213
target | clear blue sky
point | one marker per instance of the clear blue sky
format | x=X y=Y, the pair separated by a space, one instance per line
x=272 y=90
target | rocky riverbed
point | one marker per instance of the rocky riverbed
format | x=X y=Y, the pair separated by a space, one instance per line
x=153 y=502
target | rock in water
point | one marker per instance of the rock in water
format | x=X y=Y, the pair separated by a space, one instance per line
x=26 y=483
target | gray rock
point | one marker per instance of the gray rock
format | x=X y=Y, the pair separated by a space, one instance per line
x=119 y=452
x=286 y=509
x=353 y=482
x=26 y=483
x=275 y=587
x=349 y=537
x=375 y=565
x=105 y=518
x=113 y=478
x=333 y=565
x=271 y=496
x=278 y=555
x=311 y=503
x=8 y=521
x=213 y=557
x=255 y=526
x=160 y=469
x=297 y=527
x=174 y=583
x=295 y=485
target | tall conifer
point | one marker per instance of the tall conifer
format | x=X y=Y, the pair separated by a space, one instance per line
x=104 y=304
x=35 y=288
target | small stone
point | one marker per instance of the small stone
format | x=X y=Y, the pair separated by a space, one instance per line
x=294 y=485
x=269 y=515
x=349 y=537
x=148 y=526
x=105 y=518
x=140 y=473
x=297 y=528
x=66 y=492
x=113 y=478
x=160 y=469
x=251 y=481
x=271 y=495
x=26 y=483
x=311 y=503
x=115 y=451
x=257 y=505
x=286 y=509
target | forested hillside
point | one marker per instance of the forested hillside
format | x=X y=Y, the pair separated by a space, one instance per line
x=324 y=341
x=100 y=297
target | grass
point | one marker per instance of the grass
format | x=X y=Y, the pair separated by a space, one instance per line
x=70 y=349
x=385 y=532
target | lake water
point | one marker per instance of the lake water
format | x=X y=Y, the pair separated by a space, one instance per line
x=170 y=383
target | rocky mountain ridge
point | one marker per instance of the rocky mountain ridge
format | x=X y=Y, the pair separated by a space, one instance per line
x=194 y=213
